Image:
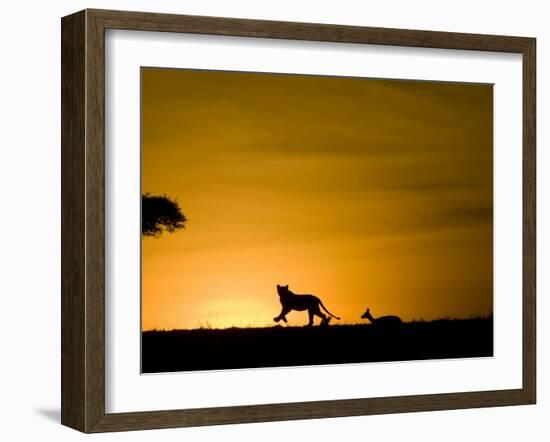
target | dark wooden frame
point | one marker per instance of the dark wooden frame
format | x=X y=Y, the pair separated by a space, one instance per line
x=83 y=217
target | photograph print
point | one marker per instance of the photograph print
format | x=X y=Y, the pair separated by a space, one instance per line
x=298 y=220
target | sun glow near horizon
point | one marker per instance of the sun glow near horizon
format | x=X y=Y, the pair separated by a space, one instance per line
x=363 y=192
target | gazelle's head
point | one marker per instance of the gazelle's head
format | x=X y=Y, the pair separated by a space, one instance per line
x=366 y=315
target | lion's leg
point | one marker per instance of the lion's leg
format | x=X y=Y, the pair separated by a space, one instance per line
x=311 y=313
x=323 y=317
x=282 y=316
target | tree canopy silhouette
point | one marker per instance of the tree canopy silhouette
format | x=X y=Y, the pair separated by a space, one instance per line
x=159 y=214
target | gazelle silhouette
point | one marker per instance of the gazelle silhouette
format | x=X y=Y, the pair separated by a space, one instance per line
x=382 y=320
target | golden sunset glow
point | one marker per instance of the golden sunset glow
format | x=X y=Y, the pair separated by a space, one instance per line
x=366 y=193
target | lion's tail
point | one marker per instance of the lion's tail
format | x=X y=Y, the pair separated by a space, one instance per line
x=325 y=309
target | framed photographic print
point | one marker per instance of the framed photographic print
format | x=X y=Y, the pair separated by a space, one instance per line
x=270 y=220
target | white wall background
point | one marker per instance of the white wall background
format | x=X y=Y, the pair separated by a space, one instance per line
x=30 y=216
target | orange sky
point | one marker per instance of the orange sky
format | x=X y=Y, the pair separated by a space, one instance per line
x=363 y=192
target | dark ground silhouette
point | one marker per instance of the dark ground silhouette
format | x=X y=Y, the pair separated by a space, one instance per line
x=209 y=349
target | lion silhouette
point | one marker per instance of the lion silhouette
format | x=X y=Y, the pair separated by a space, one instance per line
x=292 y=301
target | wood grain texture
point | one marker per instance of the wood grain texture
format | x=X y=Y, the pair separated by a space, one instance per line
x=73 y=397
x=529 y=220
x=83 y=219
x=307 y=410
x=95 y=222
x=145 y=21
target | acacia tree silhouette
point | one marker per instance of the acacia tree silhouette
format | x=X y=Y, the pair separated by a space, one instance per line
x=159 y=214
